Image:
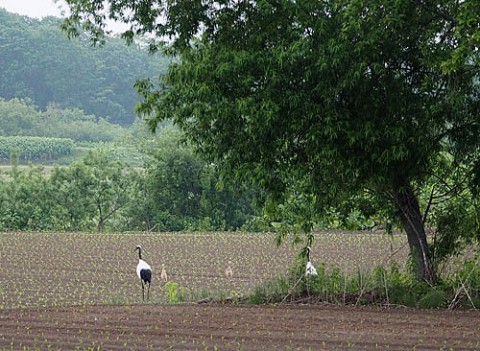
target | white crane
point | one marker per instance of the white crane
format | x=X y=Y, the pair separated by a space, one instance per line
x=310 y=269
x=144 y=272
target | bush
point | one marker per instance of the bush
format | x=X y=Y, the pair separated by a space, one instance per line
x=433 y=299
x=389 y=286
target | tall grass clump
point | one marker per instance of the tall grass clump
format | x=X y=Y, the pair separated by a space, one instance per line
x=174 y=292
x=385 y=285
x=465 y=283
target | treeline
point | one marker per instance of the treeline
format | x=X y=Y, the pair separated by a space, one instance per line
x=39 y=63
x=175 y=191
x=170 y=189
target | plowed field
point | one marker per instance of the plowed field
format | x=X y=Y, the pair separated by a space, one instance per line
x=63 y=291
x=227 y=327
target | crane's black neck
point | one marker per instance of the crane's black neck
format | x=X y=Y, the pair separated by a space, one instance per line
x=139 y=253
x=308 y=255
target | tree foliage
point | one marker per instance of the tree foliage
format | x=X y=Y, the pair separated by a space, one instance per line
x=39 y=63
x=183 y=191
x=22 y=118
x=174 y=191
x=337 y=95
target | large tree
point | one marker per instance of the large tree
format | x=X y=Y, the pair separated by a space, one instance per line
x=334 y=95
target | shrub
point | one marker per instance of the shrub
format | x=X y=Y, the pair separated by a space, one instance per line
x=433 y=299
x=382 y=285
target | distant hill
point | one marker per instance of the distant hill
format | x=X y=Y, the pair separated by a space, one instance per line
x=38 y=62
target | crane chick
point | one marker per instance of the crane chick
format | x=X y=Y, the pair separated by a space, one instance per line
x=163 y=274
x=229 y=270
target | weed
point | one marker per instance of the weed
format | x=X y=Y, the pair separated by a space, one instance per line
x=433 y=299
x=389 y=286
x=171 y=289
x=118 y=298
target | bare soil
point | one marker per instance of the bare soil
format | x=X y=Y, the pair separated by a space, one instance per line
x=64 y=269
x=65 y=291
x=237 y=327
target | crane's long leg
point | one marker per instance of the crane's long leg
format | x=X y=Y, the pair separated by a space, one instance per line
x=148 y=292
x=143 y=292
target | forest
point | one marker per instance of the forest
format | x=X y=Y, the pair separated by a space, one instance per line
x=64 y=170
x=75 y=156
x=39 y=64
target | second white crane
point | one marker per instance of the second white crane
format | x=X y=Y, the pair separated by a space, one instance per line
x=310 y=270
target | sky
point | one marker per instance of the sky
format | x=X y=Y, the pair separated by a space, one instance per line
x=34 y=8
x=42 y=8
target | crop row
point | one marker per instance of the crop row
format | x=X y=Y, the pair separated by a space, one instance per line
x=55 y=269
x=35 y=148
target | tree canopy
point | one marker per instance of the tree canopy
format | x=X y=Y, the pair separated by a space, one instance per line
x=39 y=63
x=327 y=97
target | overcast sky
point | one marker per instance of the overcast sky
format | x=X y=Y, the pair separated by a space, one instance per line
x=34 y=8
x=43 y=8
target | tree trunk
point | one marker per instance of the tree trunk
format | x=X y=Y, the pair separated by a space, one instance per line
x=412 y=221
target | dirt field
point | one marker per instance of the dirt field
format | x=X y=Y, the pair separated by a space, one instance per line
x=63 y=291
x=228 y=327
x=57 y=269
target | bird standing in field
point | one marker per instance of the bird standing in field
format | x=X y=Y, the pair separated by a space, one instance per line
x=144 y=272
x=229 y=270
x=310 y=269
x=163 y=274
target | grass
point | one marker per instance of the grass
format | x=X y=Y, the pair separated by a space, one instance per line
x=382 y=285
